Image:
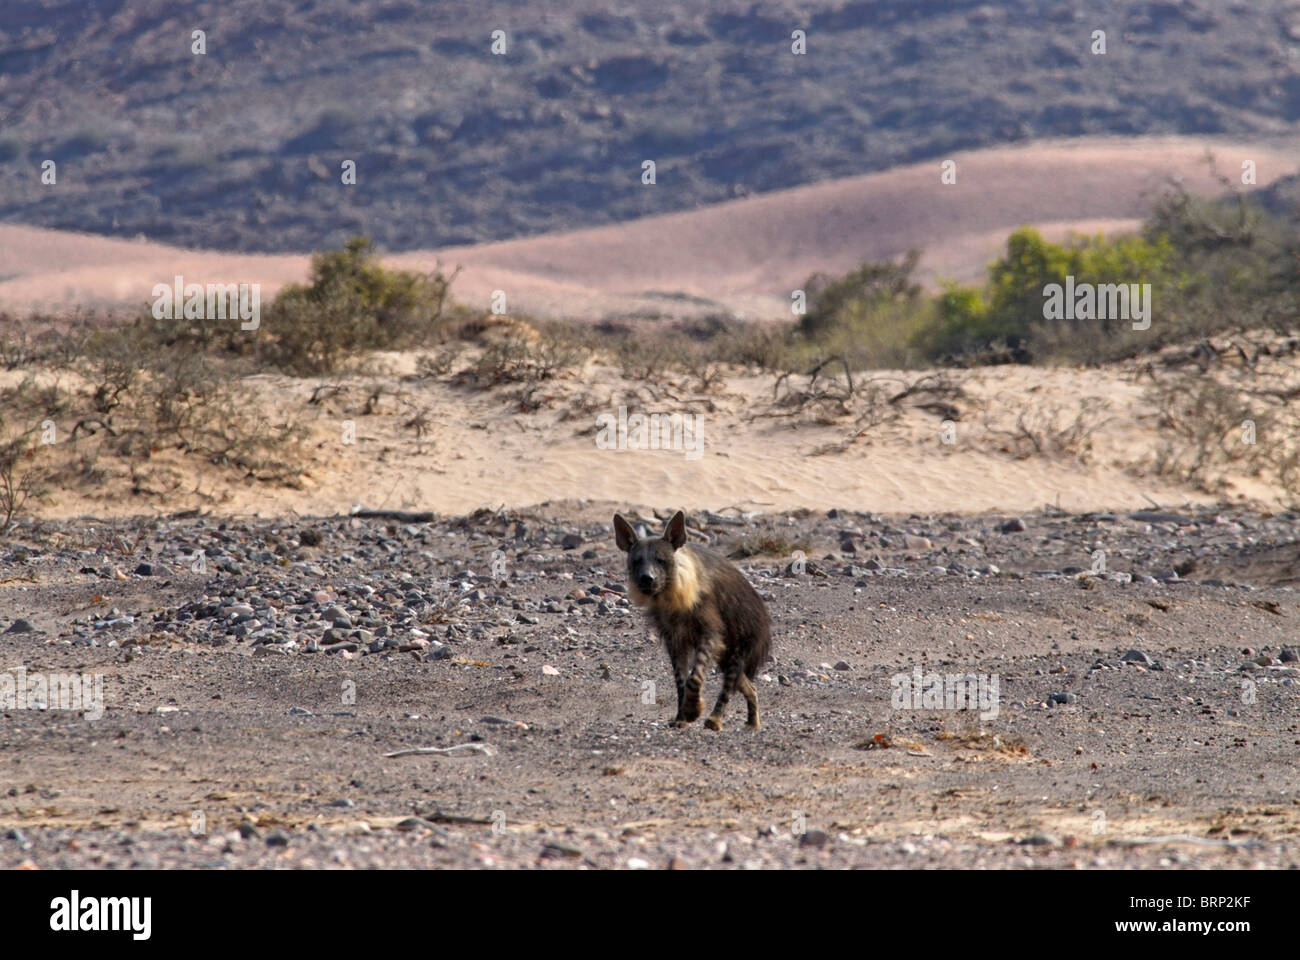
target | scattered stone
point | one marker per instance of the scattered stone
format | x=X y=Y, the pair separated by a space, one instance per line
x=1154 y=516
x=558 y=851
x=813 y=837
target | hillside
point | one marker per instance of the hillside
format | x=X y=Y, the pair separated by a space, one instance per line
x=240 y=148
x=743 y=256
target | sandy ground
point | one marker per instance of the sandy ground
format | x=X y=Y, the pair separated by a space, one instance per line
x=745 y=256
x=249 y=701
x=1139 y=723
x=432 y=444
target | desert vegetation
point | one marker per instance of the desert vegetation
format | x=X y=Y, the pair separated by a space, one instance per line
x=1213 y=266
x=161 y=400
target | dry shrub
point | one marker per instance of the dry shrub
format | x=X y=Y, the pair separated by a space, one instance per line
x=1212 y=429
x=521 y=359
x=22 y=477
x=1054 y=432
x=125 y=400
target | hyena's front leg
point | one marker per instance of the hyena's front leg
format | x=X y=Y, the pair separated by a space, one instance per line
x=681 y=659
x=693 y=705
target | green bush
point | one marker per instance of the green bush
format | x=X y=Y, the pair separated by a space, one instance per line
x=1010 y=311
x=351 y=304
x=1211 y=264
x=873 y=316
x=833 y=301
x=1240 y=256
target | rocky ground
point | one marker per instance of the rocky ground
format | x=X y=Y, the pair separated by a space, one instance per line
x=256 y=673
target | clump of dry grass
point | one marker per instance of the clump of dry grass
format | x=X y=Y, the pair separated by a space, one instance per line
x=976 y=738
x=764 y=544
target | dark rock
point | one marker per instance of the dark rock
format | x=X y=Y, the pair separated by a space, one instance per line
x=814 y=837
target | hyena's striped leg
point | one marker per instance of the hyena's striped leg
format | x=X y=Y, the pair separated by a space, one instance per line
x=751 y=698
x=693 y=705
x=731 y=671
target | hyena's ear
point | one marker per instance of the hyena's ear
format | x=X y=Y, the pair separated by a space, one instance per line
x=624 y=535
x=675 y=530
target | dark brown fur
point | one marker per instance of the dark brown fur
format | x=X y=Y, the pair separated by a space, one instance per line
x=704 y=610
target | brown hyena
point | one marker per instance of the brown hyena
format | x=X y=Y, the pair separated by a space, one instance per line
x=705 y=611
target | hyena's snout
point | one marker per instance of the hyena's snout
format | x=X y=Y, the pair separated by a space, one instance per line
x=645 y=574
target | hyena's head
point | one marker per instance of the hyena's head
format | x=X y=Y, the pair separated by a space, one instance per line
x=651 y=561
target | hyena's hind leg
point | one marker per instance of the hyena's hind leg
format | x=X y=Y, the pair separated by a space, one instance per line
x=746 y=688
x=732 y=671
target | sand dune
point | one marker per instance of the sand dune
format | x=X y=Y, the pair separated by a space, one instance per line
x=745 y=255
x=480 y=450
